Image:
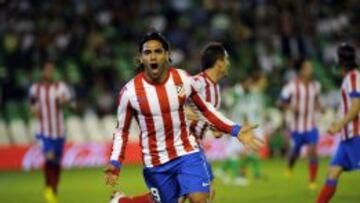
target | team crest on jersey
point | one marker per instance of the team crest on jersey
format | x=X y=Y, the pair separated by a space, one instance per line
x=180 y=90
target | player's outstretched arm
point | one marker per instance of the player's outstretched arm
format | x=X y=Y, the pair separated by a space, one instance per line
x=354 y=111
x=244 y=134
x=120 y=138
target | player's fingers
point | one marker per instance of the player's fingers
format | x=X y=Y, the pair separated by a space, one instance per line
x=249 y=128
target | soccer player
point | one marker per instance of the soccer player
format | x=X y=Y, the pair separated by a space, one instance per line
x=215 y=66
x=301 y=97
x=347 y=157
x=156 y=97
x=47 y=100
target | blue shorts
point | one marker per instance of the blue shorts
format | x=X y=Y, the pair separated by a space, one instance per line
x=348 y=155
x=52 y=145
x=208 y=166
x=310 y=137
x=178 y=177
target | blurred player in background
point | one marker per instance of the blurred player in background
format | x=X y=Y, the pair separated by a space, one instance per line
x=156 y=97
x=347 y=157
x=301 y=98
x=246 y=105
x=47 y=101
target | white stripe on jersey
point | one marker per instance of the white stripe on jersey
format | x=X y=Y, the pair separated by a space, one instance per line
x=350 y=88
x=303 y=98
x=159 y=112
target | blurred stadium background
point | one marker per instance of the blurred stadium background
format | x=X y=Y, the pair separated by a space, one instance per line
x=94 y=44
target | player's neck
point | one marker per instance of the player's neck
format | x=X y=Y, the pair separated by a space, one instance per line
x=47 y=81
x=304 y=80
x=159 y=80
x=213 y=74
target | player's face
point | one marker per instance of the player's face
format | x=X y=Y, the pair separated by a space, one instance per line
x=48 y=71
x=307 y=69
x=225 y=65
x=155 y=59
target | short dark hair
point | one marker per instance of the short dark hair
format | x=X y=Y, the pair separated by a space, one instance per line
x=298 y=63
x=211 y=53
x=154 y=36
x=346 y=56
x=45 y=62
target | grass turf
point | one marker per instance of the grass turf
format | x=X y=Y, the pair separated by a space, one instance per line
x=87 y=186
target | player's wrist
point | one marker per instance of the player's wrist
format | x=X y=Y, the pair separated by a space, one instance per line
x=116 y=167
x=235 y=130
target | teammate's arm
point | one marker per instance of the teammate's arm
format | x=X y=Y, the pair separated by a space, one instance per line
x=243 y=133
x=120 y=138
x=354 y=111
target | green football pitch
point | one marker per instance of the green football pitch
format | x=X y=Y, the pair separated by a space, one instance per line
x=87 y=186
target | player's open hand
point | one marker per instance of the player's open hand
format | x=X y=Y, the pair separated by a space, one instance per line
x=334 y=128
x=247 y=137
x=111 y=174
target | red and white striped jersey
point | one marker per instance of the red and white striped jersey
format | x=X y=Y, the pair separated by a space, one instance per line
x=302 y=98
x=350 y=88
x=47 y=97
x=210 y=91
x=159 y=111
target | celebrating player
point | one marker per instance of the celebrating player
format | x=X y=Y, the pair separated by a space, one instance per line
x=301 y=97
x=347 y=157
x=47 y=100
x=156 y=98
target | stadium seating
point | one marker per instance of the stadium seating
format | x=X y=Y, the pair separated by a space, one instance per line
x=75 y=129
x=93 y=128
x=19 y=131
x=4 y=138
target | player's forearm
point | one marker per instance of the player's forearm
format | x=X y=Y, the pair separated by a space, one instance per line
x=215 y=117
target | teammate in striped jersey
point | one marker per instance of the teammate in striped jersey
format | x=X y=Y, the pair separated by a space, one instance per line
x=215 y=65
x=156 y=98
x=347 y=157
x=301 y=97
x=47 y=100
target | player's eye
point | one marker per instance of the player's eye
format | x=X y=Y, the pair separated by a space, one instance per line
x=159 y=51
x=146 y=52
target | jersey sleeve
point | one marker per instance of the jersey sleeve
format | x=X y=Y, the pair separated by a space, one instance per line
x=121 y=133
x=64 y=91
x=212 y=115
x=352 y=86
x=32 y=93
x=286 y=93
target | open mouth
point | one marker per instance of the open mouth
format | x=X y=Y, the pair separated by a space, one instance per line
x=154 y=66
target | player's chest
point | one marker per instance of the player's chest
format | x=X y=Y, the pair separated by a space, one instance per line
x=158 y=100
x=48 y=94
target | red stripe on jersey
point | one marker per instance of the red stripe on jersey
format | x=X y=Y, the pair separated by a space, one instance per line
x=343 y=94
x=355 y=121
x=306 y=105
x=184 y=134
x=57 y=113
x=208 y=114
x=49 y=116
x=207 y=89
x=126 y=132
x=166 y=116
x=38 y=101
x=216 y=95
x=297 y=105
x=145 y=110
